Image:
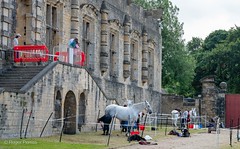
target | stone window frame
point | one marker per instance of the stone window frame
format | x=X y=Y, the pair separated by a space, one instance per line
x=5 y=27
x=151 y=51
x=114 y=29
x=134 y=56
x=113 y=71
x=87 y=39
x=51 y=26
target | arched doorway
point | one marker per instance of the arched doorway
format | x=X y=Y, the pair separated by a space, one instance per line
x=81 y=111
x=70 y=113
x=57 y=110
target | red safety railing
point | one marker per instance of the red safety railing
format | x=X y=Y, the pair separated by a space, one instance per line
x=31 y=53
x=82 y=59
x=79 y=56
x=64 y=56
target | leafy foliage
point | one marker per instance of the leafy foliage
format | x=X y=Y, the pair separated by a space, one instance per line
x=214 y=38
x=218 y=54
x=220 y=57
x=195 y=45
x=178 y=65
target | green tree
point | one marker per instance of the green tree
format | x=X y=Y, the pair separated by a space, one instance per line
x=214 y=38
x=221 y=59
x=178 y=65
x=194 y=45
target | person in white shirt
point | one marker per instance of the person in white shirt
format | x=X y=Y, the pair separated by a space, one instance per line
x=15 y=40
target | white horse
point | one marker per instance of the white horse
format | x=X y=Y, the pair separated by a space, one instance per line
x=128 y=113
x=128 y=103
x=175 y=116
x=193 y=115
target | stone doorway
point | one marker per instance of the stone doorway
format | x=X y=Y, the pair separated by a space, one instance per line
x=81 y=111
x=57 y=110
x=70 y=113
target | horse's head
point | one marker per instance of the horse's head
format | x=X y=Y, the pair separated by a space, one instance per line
x=148 y=107
x=193 y=112
x=129 y=103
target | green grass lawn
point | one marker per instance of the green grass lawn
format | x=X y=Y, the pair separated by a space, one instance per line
x=38 y=143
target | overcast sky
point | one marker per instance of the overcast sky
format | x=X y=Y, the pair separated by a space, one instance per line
x=201 y=17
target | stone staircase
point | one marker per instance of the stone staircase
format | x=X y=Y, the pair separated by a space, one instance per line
x=18 y=76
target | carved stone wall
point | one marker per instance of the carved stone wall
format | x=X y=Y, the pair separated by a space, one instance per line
x=120 y=74
x=38 y=102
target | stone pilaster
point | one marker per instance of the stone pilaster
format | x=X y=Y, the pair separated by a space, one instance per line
x=126 y=58
x=30 y=23
x=144 y=56
x=104 y=57
x=74 y=18
x=39 y=20
x=208 y=97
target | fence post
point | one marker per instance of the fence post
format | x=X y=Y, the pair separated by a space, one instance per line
x=217 y=132
x=27 y=124
x=238 y=131
x=22 y=123
x=97 y=119
x=161 y=120
x=205 y=121
x=129 y=130
x=231 y=124
x=166 y=126
x=144 y=125
x=109 y=134
x=45 y=124
x=64 y=121
x=155 y=123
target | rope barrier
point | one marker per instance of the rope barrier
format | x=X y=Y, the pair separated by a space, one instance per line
x=148 y=124
x=149 y=121
x=41 y=54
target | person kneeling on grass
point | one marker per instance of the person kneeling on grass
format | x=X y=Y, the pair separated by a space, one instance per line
x=106 y=119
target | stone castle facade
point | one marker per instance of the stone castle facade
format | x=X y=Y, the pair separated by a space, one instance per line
x=122 y=43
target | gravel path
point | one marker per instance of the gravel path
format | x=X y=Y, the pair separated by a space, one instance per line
x=196 y=141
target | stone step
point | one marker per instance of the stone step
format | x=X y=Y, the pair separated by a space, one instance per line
x=17 y=74
x=17 y=77
x=13 y=82
x=12 y=86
